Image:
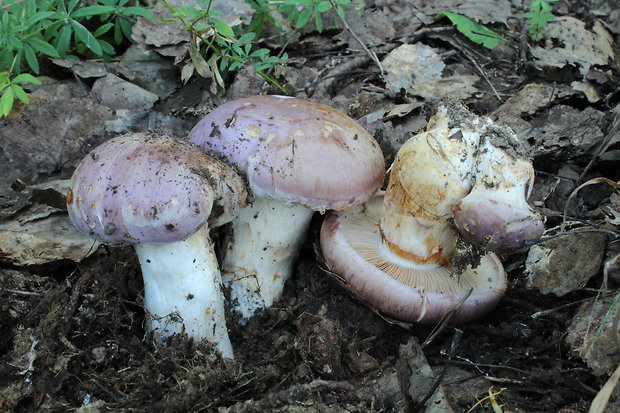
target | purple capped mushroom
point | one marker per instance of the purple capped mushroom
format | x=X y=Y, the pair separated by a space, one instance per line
x=160 y=195
x=298 y=157
x=396 y=250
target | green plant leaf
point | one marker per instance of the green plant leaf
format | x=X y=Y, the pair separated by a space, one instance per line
x=222 y=27
x=37 y=18
x=138 y=11
x=319 y=21
x=103 y=29
x=475 y=32
x=63 y=40
x=216 y=72
x=20 y=93
x=189 y=11
x=86 y=37
x=31 y=58
x=107 y=48
x=43 y=47
x=323 y=6
x=6 y=101
x=303 y=18
x=89 y=11
x=72 y=4
x=26 y=78
x=126 y=29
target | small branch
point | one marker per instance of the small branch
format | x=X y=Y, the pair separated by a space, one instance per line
x=445 y=320
x=484 y=76
x=572 y=232
x=18 y=292
x=456 y=339
x=372 y=55
x=552 y=310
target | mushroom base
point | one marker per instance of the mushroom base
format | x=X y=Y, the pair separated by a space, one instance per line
x=260 y=253
x=421 y=293
x=182 y=290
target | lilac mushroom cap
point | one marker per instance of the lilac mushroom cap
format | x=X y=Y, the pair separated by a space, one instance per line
x=158 y=194
x=298 y=156
x=294 y=150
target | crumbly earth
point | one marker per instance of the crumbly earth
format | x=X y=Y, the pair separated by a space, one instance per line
x=73 y=336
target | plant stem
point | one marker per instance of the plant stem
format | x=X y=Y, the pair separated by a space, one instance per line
x=218 y=52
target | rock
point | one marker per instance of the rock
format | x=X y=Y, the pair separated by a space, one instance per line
x=593 y=336
x=117 y=93
x=564 y=264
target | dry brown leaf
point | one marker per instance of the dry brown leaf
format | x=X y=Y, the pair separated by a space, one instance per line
x=578 y=45
x=42 y=232
x=418 y=68
x=602 y=397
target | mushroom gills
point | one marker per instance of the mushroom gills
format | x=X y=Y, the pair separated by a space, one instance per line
x=399 y=288
x=361 y=229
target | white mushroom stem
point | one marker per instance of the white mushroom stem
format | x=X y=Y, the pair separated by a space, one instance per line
x=431 y=172
x=182 y=290
x=502 y=177
x=261 y=251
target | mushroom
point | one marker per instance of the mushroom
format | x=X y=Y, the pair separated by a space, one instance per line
x=160 y=195
x=396 y=250
x=298 y=157
x=495 y=213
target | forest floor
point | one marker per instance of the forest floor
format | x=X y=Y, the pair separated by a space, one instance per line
x=71 y=316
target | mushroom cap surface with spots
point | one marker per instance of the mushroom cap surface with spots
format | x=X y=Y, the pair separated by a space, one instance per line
x=294 y=150
x=142 y=188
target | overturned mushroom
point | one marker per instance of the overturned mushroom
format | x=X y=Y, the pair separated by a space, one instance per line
x=299 y=157
x=159 y=194
x=395 y=250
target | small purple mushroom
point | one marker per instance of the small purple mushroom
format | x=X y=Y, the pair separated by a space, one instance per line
x=158 y=194
x=298 y=157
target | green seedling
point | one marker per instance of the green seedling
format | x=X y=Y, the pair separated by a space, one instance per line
x=539 y=16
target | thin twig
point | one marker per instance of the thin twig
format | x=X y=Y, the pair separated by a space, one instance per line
x=456 y=339
x=445 y=320
x=562 y=307
x=484 y=76
x=19 y=292
x=572 y=232
x=338 y=74
x=372 y=55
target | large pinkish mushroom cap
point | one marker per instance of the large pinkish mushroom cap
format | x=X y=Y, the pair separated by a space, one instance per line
x=298 y=156
x=294 y=150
